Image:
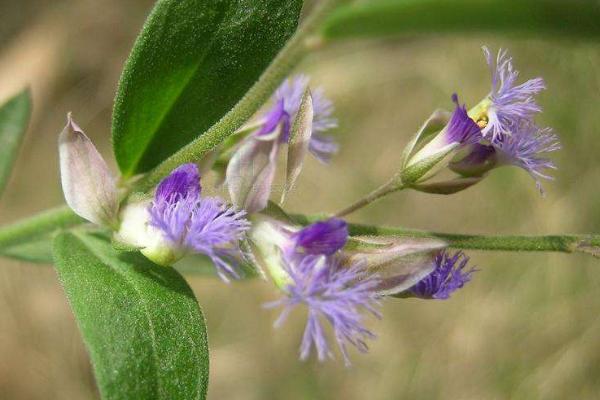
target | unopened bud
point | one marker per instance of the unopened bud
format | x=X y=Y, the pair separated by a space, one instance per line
x=89 y=186
x=398 y=262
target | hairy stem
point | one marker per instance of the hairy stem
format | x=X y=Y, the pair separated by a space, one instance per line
x=568 y=243
x=291 y=54
x=37 y=225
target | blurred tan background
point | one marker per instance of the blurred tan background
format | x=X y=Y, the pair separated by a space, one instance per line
x=527 y=327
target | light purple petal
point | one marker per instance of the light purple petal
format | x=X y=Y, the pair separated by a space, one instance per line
x=526 y=148
x=333 y=294
x=511 y=103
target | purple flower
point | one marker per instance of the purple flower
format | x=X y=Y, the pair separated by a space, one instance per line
x=524 y=148
x=286 y=102
x=510 y=104
x=333 y=294
x=251 y=170
x=447 y=277
x=308 y=267
x=193 y=224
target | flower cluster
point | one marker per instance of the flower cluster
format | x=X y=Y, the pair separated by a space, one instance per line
x=337 y=277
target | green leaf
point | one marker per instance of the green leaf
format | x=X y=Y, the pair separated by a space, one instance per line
x=192 y=62
x=141 y=323
x=34 y=250
x=560 y=18
x=14 y=116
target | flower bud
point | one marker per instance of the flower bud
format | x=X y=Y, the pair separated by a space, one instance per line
x=268 y=238
x=398 y=262
x=434 y=154
x=89 y=187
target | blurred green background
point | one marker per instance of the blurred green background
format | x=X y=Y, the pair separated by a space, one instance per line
x=527 y=327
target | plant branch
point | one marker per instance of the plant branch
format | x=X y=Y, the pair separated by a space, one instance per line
x=37 y=225
x=567 y=243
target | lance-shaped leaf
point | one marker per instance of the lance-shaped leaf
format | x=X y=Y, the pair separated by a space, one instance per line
x=299 y=142
x=193 y=61
x=35 y=250
x=250 y=174
x=88 y=184
x=14 y=116
x=396 y=17
x=399 y=262
x=140 y=322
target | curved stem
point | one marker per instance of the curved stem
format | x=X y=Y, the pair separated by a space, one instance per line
x=390 y=187
x=37 y=225
x=291 y=54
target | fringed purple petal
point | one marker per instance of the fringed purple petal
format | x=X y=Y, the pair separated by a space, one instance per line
x=323 y=108
x=333 y=294
x=447 y=277
x=511 y=103
x=526 y=147
x=323 y=147
x=194 y=224
x=215 y=231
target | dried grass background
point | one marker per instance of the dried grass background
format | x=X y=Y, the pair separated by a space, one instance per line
x=527 y=327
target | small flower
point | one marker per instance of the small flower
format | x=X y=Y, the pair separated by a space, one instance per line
x=447 y=277
x=333 y=294
x=251 y=170
x=179 y=221
x=508 y=103
x=307 y=266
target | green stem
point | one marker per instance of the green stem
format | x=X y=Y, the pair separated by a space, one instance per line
x=387 y=188
x=583 y=243
x=291 y=54
x=37 y=225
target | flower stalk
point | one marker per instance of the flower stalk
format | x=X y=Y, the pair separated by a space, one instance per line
x=393 y=185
